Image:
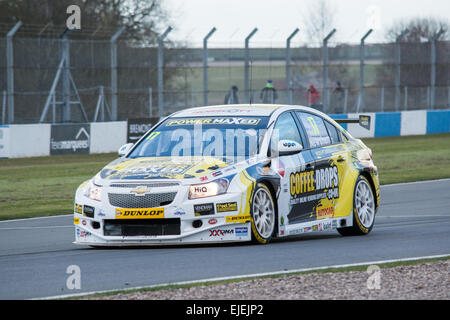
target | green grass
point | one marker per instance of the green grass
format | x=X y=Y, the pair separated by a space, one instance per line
x=223 y=77
x=411 y=158
x=45 y=186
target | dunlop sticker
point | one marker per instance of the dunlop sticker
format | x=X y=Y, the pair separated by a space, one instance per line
x=140 y=213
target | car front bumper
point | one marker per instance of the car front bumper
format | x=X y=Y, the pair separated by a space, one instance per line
x=222 y=218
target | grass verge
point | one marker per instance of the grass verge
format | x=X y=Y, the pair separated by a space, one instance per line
x=44 y=186
x=411 y=158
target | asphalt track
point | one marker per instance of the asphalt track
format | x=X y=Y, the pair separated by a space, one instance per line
x=413 y=221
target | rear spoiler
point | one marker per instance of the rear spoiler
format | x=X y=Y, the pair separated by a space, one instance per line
x=364 y=121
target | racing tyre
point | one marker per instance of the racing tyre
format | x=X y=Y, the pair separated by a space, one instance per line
x=363 y=209
x=263 y=214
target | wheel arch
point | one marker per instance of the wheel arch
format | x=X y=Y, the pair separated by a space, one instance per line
x=272 y=186
x=366 y=174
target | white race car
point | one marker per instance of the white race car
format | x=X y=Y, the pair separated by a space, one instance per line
x=231 y=173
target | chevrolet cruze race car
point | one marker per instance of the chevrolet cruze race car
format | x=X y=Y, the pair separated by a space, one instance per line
x=231 y=173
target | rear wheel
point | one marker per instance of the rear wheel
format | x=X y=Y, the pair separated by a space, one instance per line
x=263 y=214
x=363 y=209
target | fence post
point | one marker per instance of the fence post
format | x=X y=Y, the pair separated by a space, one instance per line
x=53 y=108
x=405 y=104
x=398 y=57
x=4 y=107
x=345 y=100
x=205 y=65
x=382 y=99
x=288 y=64
x=65 y=114
x=160 y=70
x=246 y=65
x=113 y=47
x=10 y=70
x=100 y=106
x=433 y=68
x=361 y=68
x=325 y=70
x=150 y=101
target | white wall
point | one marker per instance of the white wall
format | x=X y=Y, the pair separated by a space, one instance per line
x=108 y=136
x=4 y=141
x=414 y=123
x=33 y=140
x=29 y=140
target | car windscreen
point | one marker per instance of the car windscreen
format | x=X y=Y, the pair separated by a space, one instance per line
x=231 y=138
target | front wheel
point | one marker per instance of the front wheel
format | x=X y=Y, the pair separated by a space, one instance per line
x=263 y=214
x=363 y=209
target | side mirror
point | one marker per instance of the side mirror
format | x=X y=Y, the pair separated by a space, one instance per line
x=287 y=148
x=123 y=150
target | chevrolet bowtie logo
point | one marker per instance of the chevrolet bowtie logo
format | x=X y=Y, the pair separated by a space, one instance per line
x=140 y=191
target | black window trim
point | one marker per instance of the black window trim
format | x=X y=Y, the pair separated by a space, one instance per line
x=337 y=131
x=303 y=128
x=300 y=130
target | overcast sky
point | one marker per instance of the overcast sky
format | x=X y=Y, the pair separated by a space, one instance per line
x=276 y=19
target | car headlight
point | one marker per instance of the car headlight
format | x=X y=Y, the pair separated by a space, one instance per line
x=364 y=154
x=209 y=189
x=93 y=191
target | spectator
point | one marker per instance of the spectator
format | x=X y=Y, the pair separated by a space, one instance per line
x=232 y=96
x=268 y=93
x=338 y=93
x=313 y=97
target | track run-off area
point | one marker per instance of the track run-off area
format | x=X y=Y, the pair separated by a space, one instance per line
x=413 y=221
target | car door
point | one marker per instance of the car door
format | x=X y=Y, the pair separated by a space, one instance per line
x=295 y=172
x=331 y=163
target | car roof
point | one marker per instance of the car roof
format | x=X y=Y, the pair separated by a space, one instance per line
x=261 y=110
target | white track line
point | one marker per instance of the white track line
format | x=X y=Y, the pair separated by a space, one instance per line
x=414 y=182
x=30 y=228
x=416 y=216
x=37 y=218
x=243 y=277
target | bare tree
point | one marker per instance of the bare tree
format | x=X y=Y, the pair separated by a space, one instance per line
x=414 y=38
x=37 y=50
x=419 y=30
x=99 y=18
x=319 y=19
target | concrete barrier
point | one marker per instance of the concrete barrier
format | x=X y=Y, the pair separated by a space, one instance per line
x=29 y=140
x=404 y=123
x=108 y=136
x=4 y=141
